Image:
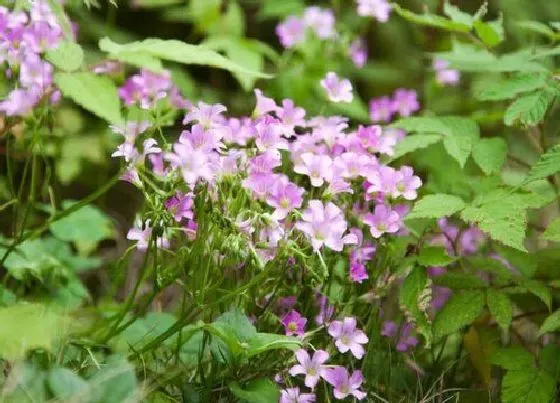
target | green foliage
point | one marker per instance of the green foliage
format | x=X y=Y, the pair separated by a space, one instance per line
x=97 y=94
x=490 y=154
x=435 y=206
x=433 y=20
x=500 y=307
x=528 y=385
x=415 y=142
x=551 y=323
x=461 y=310
x=434 y=256
x=68 y=56
x=414 y=300
x=548 y=164
x=256 y=391
x=552 y=232
x=66 y=385
x=529 y=110
x=460 y=281
x=511 y=87
x=116 y=382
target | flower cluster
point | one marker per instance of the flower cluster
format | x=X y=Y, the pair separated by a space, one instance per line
x=293 y=30
x=403 y=102
x=24 y=38
x=378 y=9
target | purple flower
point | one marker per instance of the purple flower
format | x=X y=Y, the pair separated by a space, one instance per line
x=311 y=367
x=317 y=167
x=407 y=183
x=293 y=395
x=326 y=311
x=378 y=9
x=321 y=21
x=363 y=251
x=143 y=237
x=389 y=329
x=338 y=90
x=20 y=102
x=294 y=323
x=405 y=102
x=35 y=73
x=285 y=197
x=406 y=341
x=344 y=384
x=358 y=53
x=264 y=104
x=347 y=337
x=131 y=130
x=373 y=140
x=325 y=225
x=291 y=31
x=382 y=220
x=128 y=151
x=381 y=109
x=180 y=206
x=205 y=114
x=445 y=75
x=269 y=137
x=41 y=36
x=194 y=164
x=358 y=272
x=291 y=117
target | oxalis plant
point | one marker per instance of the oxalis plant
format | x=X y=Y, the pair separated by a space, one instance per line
x=224 y=218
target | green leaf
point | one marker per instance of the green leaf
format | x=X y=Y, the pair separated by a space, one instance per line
x=436 y=206
x=434 y=256
x=460 y=311
x=414 y=300
x=457 y=15
x=491 y=266
x=431 y=20
x=459 y=281
x=522 y=261
x=511 y=87
x=156 y=3
x=95 y=93
x=413 y=143
x=145 y=330
x=464 y=133
x=115 y=382
x=505 y=221
x=548 y=164
x=528 y=385
x=538 y=289
x=180 y=52
x=529 y=110
x=66 y=385
x=551 y=323
x=490 y=32
x=61 y=18
x=490 y=154
x=280 y=9
x=260 y=390
x=141 y=60
x=30 y=326
x=263 y=342
x=86 y=226
x=512 y=358
x=68 y=56
x=500 y=307
x=422 y=124
x=552 y=232
x=539 y=28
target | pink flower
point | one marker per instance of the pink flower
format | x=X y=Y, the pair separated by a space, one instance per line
x=325 y=225
x=321 y=21
x=293 y=395
x=285 y=197
x=19 y=102
x=131 y=130
x=407 y=183
x=405 y=102
x=128 y=151
x=291 y=31
x=347 y=337
x=373 y=140
x=291 y=117
x=344 y=384
x=382 y=220
x=264 y=104
x=326 y=311
x=358 y=272
x=358 y=52
x=311 y=367
x=294 y=323
x=269 y=137
x=205 y=114
x=143 y=237
x=381 y=109
x=194 y=164
x=180 y=206
x=445 y=75
x=379 y=9
x=338 y=90
x=382 y=180
x=317 y=167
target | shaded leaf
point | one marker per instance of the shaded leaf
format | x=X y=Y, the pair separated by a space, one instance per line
x=500 y=307
x=436 y=206
x=460 y=311
x=490 y=154
x=529 y=110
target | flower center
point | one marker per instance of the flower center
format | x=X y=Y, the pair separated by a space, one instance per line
x=284 y=203
x=292 y=326
x=345 y=339
x=382 y=227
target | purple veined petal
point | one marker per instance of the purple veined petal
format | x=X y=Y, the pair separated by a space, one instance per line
x=335 y=329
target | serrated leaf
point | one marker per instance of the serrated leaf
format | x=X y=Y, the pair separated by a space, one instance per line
x=459 y=281
x=413 y=143
x=522 y=261
x=180 y=52
x=434 y=256
x=550 y=324
x=490 y=32
x=500 y=307
x=552 y=232
x=422 y=124
x=431 y=20
x=548 y=164
x=529 y=110
x=490 y=154
x=528 y=385
x=515 y=357
x=459 y=311
x=538 y=289
x=511 y=87
x=68 y=56
x=492 y=266
x=457 y=15
x=95 y=93
x=464 y=134
x=411 y=300
x=436 y=206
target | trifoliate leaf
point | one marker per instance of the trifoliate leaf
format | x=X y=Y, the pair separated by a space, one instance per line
x=552 y=232
x=500 y=306
x=436 y=206
x=490 y=154
x=529 y=110
x=97 y=94
x=461 y=310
